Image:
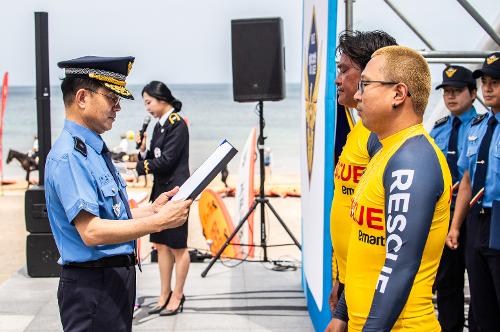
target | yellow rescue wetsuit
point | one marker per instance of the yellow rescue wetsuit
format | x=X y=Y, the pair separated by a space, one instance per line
x=356 y=154
x=400 y=212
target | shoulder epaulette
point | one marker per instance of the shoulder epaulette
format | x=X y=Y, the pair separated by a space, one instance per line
x=174 y=117
x=441 y=121
x=479 y=118
x=80 y=146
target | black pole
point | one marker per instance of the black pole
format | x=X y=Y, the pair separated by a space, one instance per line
x=42 y=90
x=262 y=194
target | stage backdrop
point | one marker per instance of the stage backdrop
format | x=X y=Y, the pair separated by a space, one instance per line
x=317 y=131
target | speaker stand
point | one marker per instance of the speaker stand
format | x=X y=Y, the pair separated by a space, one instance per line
x=260 y=201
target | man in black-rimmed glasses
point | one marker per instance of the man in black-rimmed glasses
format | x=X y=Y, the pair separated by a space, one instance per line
x=400 y=208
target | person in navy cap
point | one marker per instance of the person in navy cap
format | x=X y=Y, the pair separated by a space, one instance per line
x=93 y=225
x=459 y=92
x=479 y=196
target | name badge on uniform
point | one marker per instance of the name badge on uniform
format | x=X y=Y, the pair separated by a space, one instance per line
x=472 y=138
x=157 y=152
x=116 y=206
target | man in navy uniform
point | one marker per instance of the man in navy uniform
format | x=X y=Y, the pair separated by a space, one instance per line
x=480 y=190
x=459 y=93
x=93 y=225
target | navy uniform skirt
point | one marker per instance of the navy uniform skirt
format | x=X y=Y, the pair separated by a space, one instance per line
x=175 y=238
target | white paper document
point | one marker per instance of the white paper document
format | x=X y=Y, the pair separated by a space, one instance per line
x=206 y=172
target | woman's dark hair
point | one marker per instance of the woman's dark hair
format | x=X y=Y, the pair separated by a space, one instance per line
x=360 y=45
x=160 y=90
x=70 y=85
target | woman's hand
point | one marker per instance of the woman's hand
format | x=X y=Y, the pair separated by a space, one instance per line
x=163 y=199
x=142 y=148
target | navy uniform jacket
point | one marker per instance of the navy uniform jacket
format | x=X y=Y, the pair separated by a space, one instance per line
x=168 y=156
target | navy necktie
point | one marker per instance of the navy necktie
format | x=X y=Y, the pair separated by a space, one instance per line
x=106 y=155
x=452 y=155
x=482 y=164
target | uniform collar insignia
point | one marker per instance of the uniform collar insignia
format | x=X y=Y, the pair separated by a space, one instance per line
x=450 y=72
x=491 y=59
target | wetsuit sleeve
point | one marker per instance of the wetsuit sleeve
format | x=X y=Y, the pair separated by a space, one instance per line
x=171 y=151
x=373 y=145
x=341 y=309
x=413 y=183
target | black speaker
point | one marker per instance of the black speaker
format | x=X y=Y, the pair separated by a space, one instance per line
x=35 y=211
x=258 y=58
x=42 y=89
x=42 y=256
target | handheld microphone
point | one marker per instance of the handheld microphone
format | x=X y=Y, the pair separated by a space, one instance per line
x=145 y=124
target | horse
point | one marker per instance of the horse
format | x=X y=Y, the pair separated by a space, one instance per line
x=27 y=163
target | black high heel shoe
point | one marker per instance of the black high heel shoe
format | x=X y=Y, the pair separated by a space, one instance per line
x=156 y=310
x=180 y=308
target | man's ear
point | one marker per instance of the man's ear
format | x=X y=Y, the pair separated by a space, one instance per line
x=80 y=98
x=401 y=93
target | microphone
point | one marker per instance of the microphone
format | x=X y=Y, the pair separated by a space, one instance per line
x=145 y=124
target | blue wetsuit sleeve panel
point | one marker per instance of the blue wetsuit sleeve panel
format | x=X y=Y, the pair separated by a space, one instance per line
x=341 y=309
x=413 y=183
x=373 y=145
x=74 y=186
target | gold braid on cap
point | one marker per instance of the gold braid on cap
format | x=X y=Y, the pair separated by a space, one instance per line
x=108 y=79
x=118 y=89
x=146 y=167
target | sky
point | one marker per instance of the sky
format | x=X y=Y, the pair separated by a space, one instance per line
x=188 y=41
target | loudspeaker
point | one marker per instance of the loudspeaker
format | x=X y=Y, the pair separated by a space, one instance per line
x=258 y=57
x=35 y=211
x=42 y=256
x=42 y=89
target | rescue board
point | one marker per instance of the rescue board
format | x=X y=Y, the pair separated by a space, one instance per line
x=217 y=224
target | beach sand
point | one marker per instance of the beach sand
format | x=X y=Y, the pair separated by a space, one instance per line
x=13 y=230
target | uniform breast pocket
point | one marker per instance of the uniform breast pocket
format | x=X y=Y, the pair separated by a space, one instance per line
x=109 y=191
x=472 y=147
x=441 y=143
x=495 y=163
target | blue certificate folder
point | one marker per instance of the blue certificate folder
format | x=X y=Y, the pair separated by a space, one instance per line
x=206 y=172
x=495 y=226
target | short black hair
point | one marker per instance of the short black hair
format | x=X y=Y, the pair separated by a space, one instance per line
x=360 y=45
x=70 y=85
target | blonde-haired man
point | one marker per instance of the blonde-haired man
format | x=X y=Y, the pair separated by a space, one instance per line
x=401 y=206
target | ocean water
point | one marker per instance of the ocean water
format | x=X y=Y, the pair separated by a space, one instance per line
x=211 y=112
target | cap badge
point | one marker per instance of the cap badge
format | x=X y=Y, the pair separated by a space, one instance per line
x=491 y=59
x=130 y=63
x=450 y=72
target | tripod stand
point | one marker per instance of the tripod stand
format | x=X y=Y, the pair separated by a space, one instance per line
x=260 y=200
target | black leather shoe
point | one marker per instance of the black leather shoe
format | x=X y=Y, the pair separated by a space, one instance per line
x=156 y=309
x=176 y=311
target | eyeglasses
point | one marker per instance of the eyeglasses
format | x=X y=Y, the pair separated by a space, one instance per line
x=362 y=84
x=452 y=91
x=114 y=99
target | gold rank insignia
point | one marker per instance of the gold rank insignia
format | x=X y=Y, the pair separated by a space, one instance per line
x=450 y=72
x=173 y=118
x=491 y=59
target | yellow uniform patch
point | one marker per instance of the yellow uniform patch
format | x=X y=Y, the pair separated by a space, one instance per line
x=174 y=117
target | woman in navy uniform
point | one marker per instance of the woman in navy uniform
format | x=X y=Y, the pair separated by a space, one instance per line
x=168 y=160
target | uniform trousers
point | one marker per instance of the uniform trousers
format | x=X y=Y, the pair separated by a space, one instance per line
x=483 y=268
x=449 y=285
x=96 y=299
